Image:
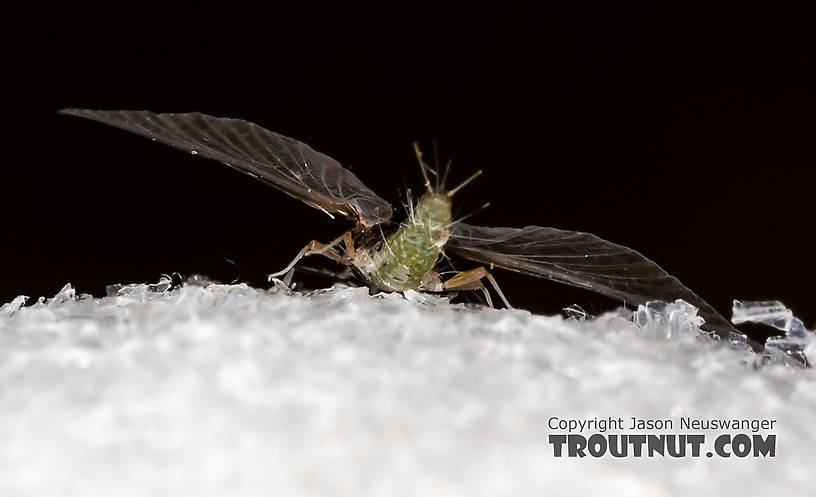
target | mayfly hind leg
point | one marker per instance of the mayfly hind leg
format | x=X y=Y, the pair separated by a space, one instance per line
x=472 y=280
x=325 y=249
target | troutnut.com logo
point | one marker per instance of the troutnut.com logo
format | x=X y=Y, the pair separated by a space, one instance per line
x=640 y=437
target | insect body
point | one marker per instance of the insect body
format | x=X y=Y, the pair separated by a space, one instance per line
x=407 y=258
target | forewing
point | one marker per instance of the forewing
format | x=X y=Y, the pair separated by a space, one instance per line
x=282 y=162
x=578 y=259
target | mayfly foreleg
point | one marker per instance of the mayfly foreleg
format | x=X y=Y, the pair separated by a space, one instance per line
x=325 y=249
x=472 y=280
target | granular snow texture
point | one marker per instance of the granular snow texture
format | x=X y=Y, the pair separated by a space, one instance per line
x=229 y=390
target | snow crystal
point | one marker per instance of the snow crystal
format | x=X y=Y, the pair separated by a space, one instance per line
x=796 y=347
x=669 y=320
x=230 y=390
x=14 y=305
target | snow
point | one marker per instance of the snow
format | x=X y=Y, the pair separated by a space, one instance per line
x=230 y=390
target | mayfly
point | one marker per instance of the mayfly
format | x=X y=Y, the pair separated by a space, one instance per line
x=407 y=257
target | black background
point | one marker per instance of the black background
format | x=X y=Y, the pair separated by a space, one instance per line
x=685 y=134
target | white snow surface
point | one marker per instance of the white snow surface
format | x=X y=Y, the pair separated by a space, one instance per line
x=230 y=390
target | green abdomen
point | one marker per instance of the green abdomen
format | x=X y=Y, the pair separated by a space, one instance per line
x=411 y=253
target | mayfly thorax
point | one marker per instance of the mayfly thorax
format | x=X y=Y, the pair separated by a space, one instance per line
x=407 y=258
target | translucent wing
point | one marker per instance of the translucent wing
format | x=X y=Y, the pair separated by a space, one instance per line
x=285 y=163
x=578 y=259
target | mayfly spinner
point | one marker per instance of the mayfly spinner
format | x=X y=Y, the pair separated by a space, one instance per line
x=407 y=257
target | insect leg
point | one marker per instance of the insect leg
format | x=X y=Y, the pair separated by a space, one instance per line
x=343 y=275
x=472 y=280
x=348 y=241
x=469 y=280
x=495 y=286
x=316 y=248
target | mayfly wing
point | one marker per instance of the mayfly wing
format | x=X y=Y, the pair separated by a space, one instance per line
x=578 y=259
x=285 y=163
